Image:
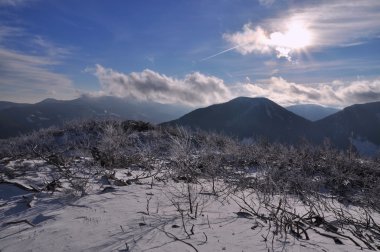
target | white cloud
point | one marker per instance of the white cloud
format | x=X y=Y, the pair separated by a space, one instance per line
x=249 y=40
x=256 y=40
x=194 y=89
x=360 y=91
x=330 y=23
x=336 y=94
x=340 y=22
x=197 y=89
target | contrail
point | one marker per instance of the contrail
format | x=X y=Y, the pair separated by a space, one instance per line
x=219 y=53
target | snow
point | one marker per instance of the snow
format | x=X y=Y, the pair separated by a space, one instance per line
x=137 y=217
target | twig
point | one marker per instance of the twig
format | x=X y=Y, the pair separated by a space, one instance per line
x=170 y=235
x=363 y=240
x=334 y=237
x=183 y=224
x=205 y=241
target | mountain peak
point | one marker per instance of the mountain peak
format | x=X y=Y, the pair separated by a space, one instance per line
x=247 y=117
x=48 y=100
x=251 y=99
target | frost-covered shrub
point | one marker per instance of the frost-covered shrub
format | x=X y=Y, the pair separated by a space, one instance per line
x=271 y=168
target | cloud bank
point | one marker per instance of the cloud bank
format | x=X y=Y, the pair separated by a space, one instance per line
x=197 y=89
x=194 y=89
x=335 y=94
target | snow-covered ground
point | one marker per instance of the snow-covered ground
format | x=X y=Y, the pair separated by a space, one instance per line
x=136 y=217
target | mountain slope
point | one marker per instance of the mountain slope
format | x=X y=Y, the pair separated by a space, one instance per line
x=360 y=122
x=16 y=120
x=6 y=105
x=248 y=117
x=312 y=112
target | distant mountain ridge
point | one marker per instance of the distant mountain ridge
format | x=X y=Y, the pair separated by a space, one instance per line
x=357 y=126
x=16 y=119
x=244 y=117
x=6 y=105
x=312 y=112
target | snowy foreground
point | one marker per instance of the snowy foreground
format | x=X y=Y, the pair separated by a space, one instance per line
x=147 y=216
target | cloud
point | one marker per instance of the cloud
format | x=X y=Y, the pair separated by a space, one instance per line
x=7 y=31
x=27 y=77
x=249 y=40
x=256 y=40
x=340 y=22
x=197 y=89
x=13 y=2
x=50 y=49
x=194 y=89
x=336 y=94
x=361 y=91
x=267 y=2
x=331 y=23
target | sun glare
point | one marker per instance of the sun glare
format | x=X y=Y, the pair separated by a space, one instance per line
x=296 y=37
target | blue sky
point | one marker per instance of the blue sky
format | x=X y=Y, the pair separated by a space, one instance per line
x=194 y=53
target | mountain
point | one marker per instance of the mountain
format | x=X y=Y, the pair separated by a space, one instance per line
x=16 y=119
x=356 y=127
x=357 y=124
x=248 y=117
x=312 y=112
x=6 y=105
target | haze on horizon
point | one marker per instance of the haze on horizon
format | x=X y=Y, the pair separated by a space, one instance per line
x=193 y=53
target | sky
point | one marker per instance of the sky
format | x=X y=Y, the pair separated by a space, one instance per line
x=193 y=53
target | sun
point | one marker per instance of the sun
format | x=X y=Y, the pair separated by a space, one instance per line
x=297 y=36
